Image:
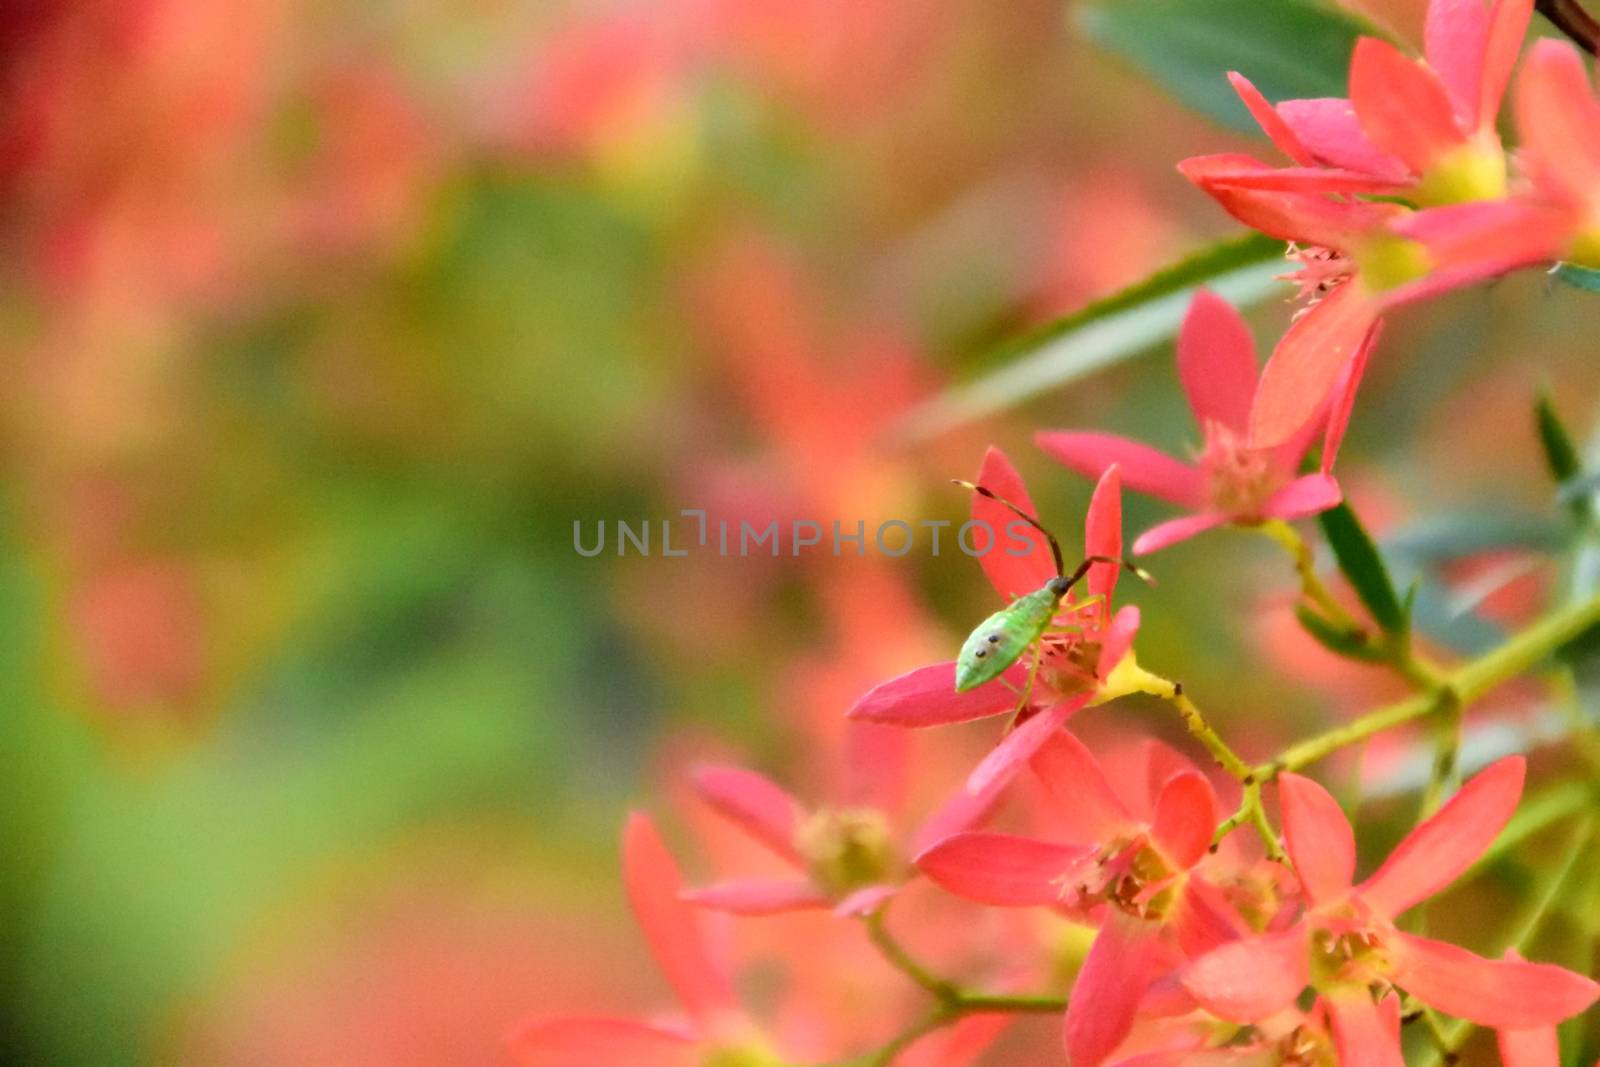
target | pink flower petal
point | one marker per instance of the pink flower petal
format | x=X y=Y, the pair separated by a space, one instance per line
x=1329 y=129
x=1186 y=815
x=1271 y=123
x=1253 y=978
x=1162 y=763
x=1102 y=536
x=1239 y=1056
x=1117 y=640
x=1306 y=216
x=1304 y=496
x=1508 y=26
x=1105 y=999
x=1217 y=362
x=1513 y=994
x=1165 y=534
x=1306 y=364
x=1402 y=105
x=759 y=897
x=1536 y=1047
x=1001 y=869
x=1468 y=243
x=1363 y=1033
x=1436 y=852
x=959 y=1045
x=874 y=767
x=1344 y=398
x=1454 y=40
x=1204 y=920
x=927 y=697
x=1319 y=839
x=584 y=1042
x=1011 y=575
x=962 y=811
x=1020 y=745
x=1144 y=470
x=1079 y=788
x=1559 y=120
x=864 y=901
x=1310 y=180
x=754 y=803
x=671 y=926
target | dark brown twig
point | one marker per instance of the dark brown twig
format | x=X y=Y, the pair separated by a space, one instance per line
x=1570 y=17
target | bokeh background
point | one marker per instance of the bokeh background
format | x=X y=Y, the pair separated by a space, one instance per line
x=323 y=322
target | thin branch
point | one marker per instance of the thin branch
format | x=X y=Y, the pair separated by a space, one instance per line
x=1570 y=18
x=1460 y=688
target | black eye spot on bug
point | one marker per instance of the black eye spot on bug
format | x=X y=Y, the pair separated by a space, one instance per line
x=982 y=652
x=994 y=639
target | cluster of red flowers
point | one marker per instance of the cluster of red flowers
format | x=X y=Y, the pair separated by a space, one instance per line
x=1209 y=946
x=1404 y=190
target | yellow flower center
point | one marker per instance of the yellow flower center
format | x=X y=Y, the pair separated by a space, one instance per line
x=846 y=848
x=1239 y=479
x=740 y=1056
x=1471 y=172
x=1336 y=955
x=1388 y=262
x=1585 y=249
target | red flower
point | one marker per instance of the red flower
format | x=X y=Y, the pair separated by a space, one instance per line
x=1232 y=481
x=846 y=857
x=1132 y=867
x=1076 y=664
x=1424 y=129
x=1347 y=940
x=714 y=1024
x=1534 y=1046
x=1559 y=119
x=1357 y=259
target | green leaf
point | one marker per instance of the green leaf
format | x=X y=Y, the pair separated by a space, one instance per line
x=1560 y=454
x=1290 y=49
x=1350 y=644
x=1578 y=277
x=1242 y=270
x=1359 y=560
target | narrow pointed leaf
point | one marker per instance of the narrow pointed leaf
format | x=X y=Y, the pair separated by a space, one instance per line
x=1359 y=560
x=1578 y=277
x=1560 y=454
x=1335 y=638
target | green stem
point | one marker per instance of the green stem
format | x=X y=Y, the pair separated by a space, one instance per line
x=1172 y=692
x=1393 y=649
x=1022 y=1004
x=1305 y=564
x=951 y=1002
x=1446 y=753
x=1458 y=689
x=1134 y=678
x=902 y=960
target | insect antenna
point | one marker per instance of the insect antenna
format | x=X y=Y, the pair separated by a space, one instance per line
x=1055 y=546
x=1132 y=568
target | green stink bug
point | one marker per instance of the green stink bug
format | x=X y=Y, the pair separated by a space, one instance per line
x=1003 y=638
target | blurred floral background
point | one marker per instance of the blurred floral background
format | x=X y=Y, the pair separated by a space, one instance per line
x=323 y=324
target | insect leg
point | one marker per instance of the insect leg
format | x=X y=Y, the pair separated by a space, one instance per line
x=1027 y=687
